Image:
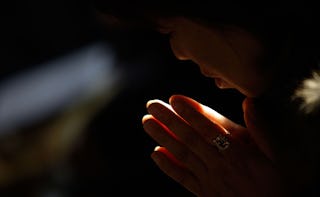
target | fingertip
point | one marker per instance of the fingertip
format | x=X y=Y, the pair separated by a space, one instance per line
x=179 y=102
x=249 y=108
x=158 y=101
x=175 y=97
x=150 y=102
x=155 y=155
x=145 y=118
x=157 y=148
x=247 y=102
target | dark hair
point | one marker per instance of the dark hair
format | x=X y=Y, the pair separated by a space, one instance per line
x=254 y=16
x=289 y=32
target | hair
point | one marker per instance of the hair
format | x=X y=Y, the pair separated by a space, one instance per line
x=288 y=32
x=280 y=26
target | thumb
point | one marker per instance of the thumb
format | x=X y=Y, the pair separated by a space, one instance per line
x=257 y=128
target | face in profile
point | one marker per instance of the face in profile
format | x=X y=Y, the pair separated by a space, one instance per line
x=229 y=55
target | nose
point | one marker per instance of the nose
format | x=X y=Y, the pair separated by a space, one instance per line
x=178 y=51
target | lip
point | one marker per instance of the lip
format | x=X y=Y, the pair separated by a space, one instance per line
x=220 y=83
x=207 y=73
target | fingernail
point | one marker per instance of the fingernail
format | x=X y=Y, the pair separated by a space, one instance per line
x=145 y=117
x=150 y=102
x=156 y=148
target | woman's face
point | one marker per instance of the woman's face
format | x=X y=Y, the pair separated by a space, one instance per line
x=229 y=55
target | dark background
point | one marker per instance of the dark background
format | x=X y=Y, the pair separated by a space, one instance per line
x=114 y=157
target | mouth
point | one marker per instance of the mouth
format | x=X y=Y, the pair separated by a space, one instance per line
x=220 y=83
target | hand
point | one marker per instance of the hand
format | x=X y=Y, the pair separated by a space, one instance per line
x=185 y=130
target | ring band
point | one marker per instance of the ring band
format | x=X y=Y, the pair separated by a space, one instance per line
x=221 y=142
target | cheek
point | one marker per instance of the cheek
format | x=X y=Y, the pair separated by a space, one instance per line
x=249 y=83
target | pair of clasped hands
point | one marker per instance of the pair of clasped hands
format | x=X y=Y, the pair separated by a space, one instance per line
x=185 y=130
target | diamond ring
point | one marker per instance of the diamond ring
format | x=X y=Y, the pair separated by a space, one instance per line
x=221 y=142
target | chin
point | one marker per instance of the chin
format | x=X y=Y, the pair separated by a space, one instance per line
x=247 y=93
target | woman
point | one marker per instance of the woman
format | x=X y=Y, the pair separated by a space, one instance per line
x=267 y=52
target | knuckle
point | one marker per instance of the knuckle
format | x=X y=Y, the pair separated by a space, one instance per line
x=189 y=140
x=183 y=156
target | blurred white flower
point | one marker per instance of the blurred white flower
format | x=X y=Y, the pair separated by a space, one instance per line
x=309 y=93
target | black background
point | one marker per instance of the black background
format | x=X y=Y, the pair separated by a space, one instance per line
x=114 y=159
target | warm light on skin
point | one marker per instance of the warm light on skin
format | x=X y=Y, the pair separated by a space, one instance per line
x=228 y=54
x=159 y=101
x=226 y=124
x=214 y=115
x=157 y=148
x=148 y=116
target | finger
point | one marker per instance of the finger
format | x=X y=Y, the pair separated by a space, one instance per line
x=167 y=139
x=204 y=126
x=185 y=102
x=208 y=112
x=255 y=126
x=168 y=164
x=182 y=130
